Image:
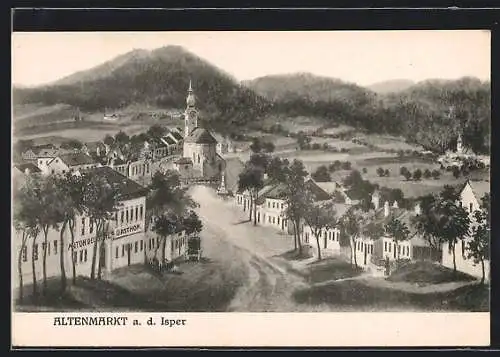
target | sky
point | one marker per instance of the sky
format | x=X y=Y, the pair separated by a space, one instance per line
x=362 y=57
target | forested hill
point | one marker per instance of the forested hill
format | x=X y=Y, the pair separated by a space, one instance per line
x=421 y=113
x=159 y=77
x=391 y=86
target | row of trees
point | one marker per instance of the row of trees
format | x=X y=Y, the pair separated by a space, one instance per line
x=418 y=174
x=55 y=202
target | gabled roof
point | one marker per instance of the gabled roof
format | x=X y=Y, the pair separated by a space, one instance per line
x=318 y=193
x=177 y=135
x=27 y=166
x=127 y=188
x=201 y=136
x=46 y=153
x=479 y=188
x=168 y=140
x=75 y=159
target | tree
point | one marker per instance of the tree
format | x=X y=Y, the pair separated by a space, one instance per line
x=346 y=165
x=453 y=220
x=427 y=174
x=319 y=217
x=436 y=174
x=387 y=173
x=456 y=171
x=295 y=193
x=25 y=209
x=380 y=172
x=108 y=140
x=268 y=146
x=251 y=179
x=398 y=231
x=417 y=174
x=192 y=223
x=276 y=169
x=350 y=225
x=303 y=140
x=321 y=174
x=256 y=145
x=121 y=139
x=100 y=200
x=408 y=175
x=403 y=171
x=365 y=170
x=165 y=225
x=478 y=248
x=427 y=222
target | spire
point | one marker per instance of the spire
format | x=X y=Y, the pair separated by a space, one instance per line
x=190 y=90
x=190 y=101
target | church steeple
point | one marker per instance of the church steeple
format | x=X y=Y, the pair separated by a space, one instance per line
x=190 y=114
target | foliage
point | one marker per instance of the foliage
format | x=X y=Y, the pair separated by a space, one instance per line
x=321 y=174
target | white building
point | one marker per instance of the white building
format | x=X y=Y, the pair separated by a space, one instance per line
x=124 y=242
x=62 y=164
x=470 y=198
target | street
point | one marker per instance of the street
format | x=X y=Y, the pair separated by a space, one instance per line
x=266 y=286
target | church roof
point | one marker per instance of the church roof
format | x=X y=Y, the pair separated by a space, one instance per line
x=201 y=136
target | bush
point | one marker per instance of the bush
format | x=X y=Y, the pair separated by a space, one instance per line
x=436 y=174
x=387 y=173
x=365 y=170
x=346 y=165
x=417 y=174
x=456 y=172
x=380 y=172
x=316 y=146
x=407 y=175
x=427 y=174
x=331 y=168
x=403 y=171
x=321 y=174
x=325 y=146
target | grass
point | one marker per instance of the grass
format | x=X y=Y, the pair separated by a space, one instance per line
x=427 y=273
x=199 y=287
x=330 y=269
x=354 y=295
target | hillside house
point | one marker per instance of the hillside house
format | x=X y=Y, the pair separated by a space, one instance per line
x=470 y=198
x=65 y=163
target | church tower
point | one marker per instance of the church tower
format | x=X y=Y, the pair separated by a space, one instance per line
x=190 y=114
x=460 y=147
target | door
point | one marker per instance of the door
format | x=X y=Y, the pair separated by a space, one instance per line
x=102 y=256
x=394 y=251
x=366 y=252
x=129 y=248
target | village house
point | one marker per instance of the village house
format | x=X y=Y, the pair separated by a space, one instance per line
x=124 y=240
x=224 y=144
x=155 y=148
x=470 y=198
x=371 y=251
x=96 y=148
x=73 y=162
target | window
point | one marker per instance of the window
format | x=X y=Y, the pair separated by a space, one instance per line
x=142 y=245
x=136 y=247
x=140 y=212
x=136 y=213
x=390 y=247
x=278 y=220
x=126 y=215
x=116 y=252
x=273 y=204
x=91 y=227
x=55 y=247
x=63 y=171
x=83 y=226
x=385 y=246
x=123 y=250
x=463 y=249
x=52 y=171
x=157 y=241
x=470 y=207
x=121 y=216
x=269 y=219
x=282 y=206
x=81 y=256
x=399 y=249
x=25 y=254
x=268 y=204
x=152 y=243
x=274 y=220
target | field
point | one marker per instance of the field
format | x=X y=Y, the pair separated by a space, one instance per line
x=386 y=142
x=295 y=124
x=35 y=121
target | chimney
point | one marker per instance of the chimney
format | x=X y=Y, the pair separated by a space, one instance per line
x=418 y=210
x=376 y=200
x=386 y=209
x=395 y=204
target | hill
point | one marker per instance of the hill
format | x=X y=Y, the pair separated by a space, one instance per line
x=391 y=86
x=155 y=78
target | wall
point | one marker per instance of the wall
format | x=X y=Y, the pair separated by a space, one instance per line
x=464 y=264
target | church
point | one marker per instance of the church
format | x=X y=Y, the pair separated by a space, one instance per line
x=200 y=158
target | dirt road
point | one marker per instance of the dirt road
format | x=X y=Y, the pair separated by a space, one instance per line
x=266 y=286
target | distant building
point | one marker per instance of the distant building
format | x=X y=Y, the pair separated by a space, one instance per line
x=68 y=163
x=94 y=148
x=199 y=145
